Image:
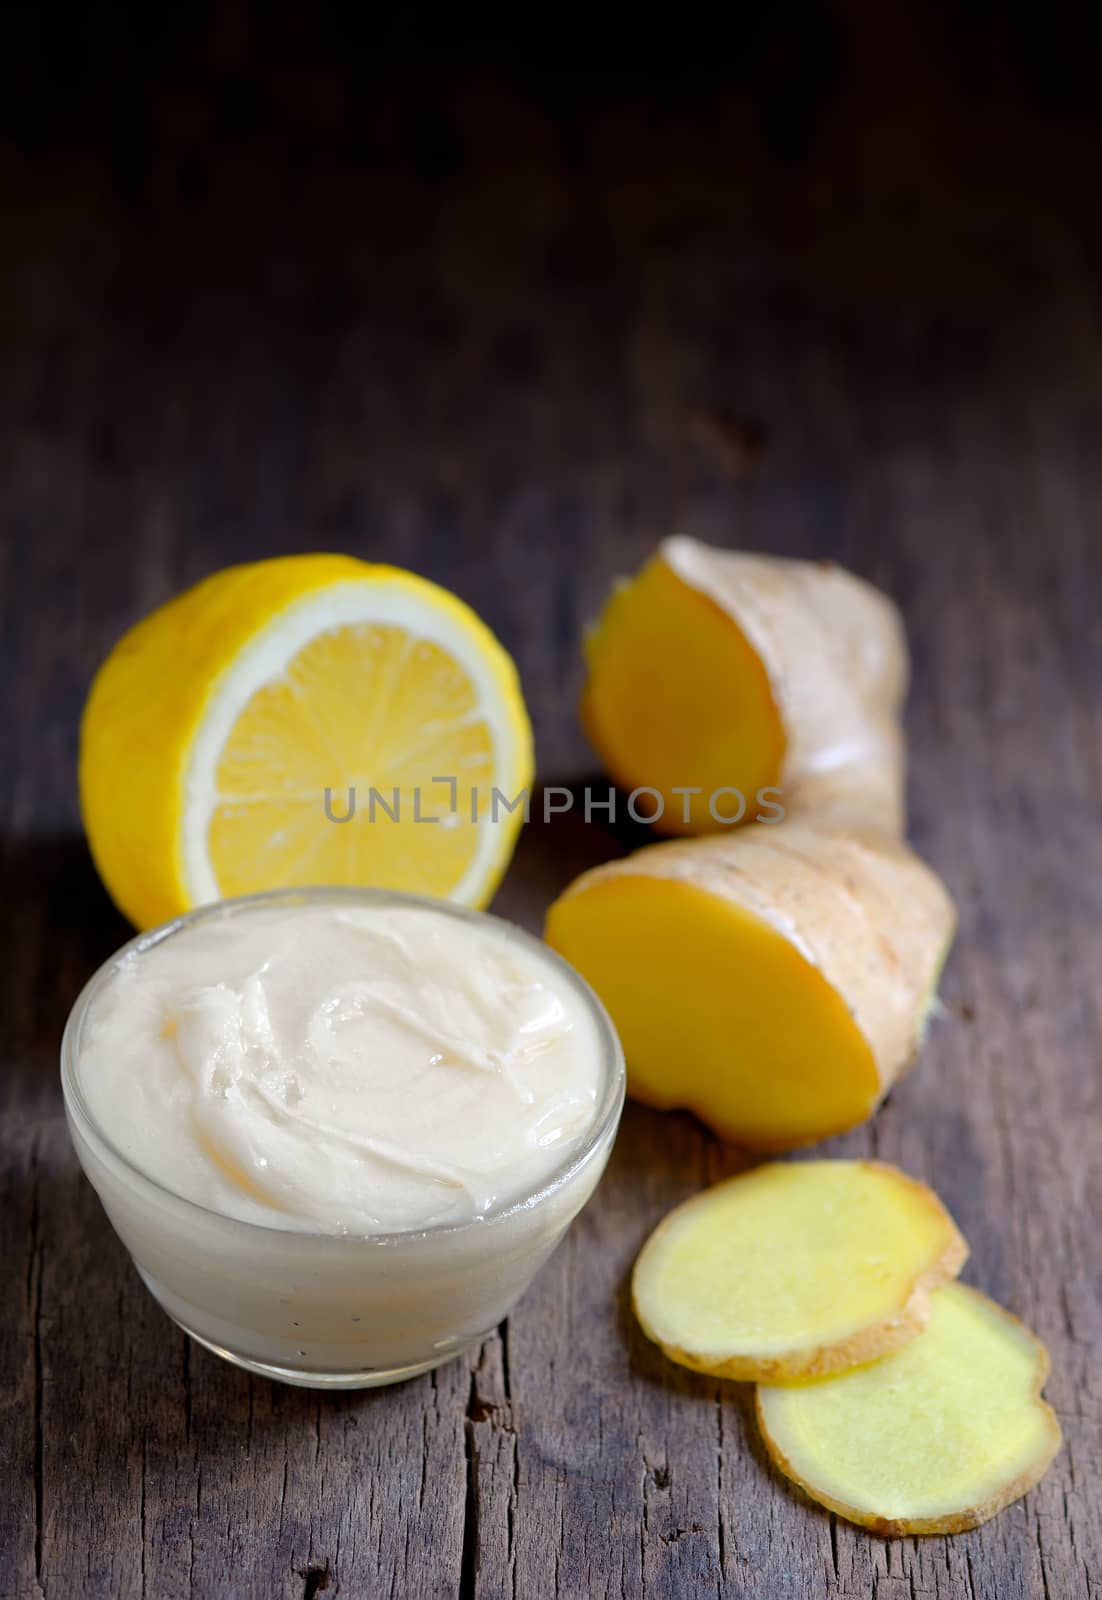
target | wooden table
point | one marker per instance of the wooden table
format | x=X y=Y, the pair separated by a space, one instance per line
x=838 y=296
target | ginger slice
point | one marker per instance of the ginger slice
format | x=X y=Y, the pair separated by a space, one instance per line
x=775 y=981
x=795 y=1269
x=934 y=1438
x=716 y=669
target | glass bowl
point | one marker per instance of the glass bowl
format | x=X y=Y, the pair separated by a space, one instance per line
x=336 y=1310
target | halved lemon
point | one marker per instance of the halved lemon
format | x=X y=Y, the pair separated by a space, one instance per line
x=309 y=719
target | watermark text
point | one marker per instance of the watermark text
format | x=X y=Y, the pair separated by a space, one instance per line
x=446 y=803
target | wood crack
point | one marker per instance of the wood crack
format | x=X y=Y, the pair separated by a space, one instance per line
x=315 y=1580
x=510 y=1426
x=477 y=1411
x=34 y=1288
x=721 y=1530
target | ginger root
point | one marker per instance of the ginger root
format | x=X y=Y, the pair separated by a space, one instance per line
x=717 y=670
x=795 y=1269
x=934 y=1438
x=776 y=980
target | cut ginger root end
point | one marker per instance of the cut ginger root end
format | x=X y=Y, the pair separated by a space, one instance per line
x=795 y=1269
x=936 y=1437
x=676 y=696
x=775 y=981
x=717 y=670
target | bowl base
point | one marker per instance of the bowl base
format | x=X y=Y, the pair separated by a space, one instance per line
x=365 y=1378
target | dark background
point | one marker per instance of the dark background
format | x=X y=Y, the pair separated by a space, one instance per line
x=827 y=282
x=274 y=281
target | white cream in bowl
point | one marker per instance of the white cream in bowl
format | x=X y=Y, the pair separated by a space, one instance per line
x=340 y=1130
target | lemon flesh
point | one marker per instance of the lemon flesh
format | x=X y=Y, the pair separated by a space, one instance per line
x=228 y=734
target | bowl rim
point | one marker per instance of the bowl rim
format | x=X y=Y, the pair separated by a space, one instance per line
x=597 y=1138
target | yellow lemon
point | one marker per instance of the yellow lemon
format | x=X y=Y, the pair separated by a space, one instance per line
x=227 y=735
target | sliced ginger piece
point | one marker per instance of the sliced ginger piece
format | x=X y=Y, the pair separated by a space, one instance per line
x=795 y=1269
x=717 y=669
x=934 y=1438
x=775 y=981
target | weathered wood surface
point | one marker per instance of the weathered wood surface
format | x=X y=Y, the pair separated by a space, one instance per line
x=258 y=299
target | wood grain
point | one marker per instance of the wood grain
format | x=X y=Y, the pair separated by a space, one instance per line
x=842 y=297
